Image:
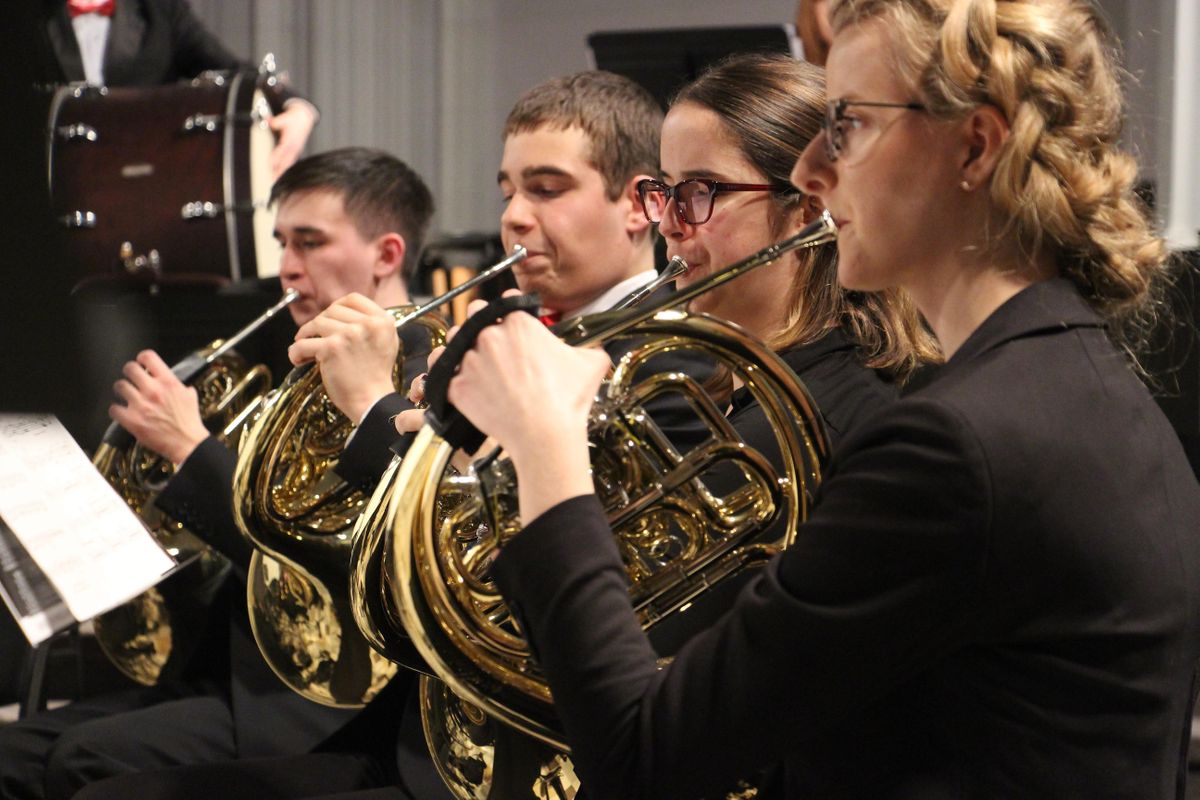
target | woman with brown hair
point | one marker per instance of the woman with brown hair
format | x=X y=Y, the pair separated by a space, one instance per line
x=729 y=142
x=995 y=595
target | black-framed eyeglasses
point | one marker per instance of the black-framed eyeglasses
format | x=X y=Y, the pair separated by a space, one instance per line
x=693 y=197
x=837 y=124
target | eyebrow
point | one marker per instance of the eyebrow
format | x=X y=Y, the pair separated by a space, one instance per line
x=698 y=173
x=303 y=230
x=536 y=172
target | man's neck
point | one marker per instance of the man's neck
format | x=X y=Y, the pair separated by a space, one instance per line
x=392 y=295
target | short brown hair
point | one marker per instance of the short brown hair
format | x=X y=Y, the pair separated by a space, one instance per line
x=621 y=120
x=380 y=194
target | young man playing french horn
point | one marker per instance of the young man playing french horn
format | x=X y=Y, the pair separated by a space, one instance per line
x=349 y=220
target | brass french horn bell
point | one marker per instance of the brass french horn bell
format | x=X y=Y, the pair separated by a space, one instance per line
x=151 y=637
x=300 y=516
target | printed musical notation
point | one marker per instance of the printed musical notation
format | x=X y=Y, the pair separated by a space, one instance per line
x=70 y=548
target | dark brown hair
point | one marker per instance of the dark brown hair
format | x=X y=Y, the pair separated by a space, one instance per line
x=380 y=194
x=621 y=120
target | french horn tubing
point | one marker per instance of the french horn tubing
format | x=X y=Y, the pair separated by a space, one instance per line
x=680 y=539
x=300 y=516
x=370 y=600
x=150 y=637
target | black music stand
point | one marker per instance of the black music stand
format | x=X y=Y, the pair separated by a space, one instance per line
x=664 y=60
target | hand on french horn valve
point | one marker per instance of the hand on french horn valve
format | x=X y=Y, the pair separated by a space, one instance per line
x=158 y=410
x=355 y=344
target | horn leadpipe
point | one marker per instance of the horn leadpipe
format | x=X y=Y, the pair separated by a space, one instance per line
x=585 y=330
x=289 y=297
x=519 y=253
x=672 y=271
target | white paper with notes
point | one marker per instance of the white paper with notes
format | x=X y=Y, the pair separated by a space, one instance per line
x=90 y=552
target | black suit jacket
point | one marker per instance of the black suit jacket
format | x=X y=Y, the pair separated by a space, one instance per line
x=150 y=42
x=996 y=596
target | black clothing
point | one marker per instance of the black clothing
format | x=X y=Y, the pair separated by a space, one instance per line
x=995 y=596
x=262 y=717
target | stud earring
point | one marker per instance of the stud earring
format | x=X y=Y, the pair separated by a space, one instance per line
x=966 y=187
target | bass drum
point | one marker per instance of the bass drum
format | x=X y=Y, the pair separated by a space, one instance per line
x=164 y=181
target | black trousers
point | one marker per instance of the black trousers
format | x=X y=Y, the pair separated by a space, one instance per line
x=51 y=755
x=317 y=775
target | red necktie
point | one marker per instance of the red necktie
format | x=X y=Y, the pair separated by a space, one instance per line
x=548 y=318
x=102 y=7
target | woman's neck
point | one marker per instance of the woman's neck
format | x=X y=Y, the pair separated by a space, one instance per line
x=957 y=296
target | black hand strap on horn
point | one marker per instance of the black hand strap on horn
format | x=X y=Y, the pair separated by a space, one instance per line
x=444 y=418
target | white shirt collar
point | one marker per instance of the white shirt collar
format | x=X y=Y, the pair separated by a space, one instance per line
x=615 y=293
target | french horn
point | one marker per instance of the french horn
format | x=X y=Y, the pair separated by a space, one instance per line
x=300 y=516
x=680 y=538
x=151 y=637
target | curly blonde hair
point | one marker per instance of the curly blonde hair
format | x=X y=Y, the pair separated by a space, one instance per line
x=1061 y=183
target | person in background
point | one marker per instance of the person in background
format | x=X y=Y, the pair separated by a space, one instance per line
x=155 y=42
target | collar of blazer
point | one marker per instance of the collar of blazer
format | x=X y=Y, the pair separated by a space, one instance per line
x=1050 y=305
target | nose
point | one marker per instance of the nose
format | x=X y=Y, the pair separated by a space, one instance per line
x=672 y=225
x=814 y=173
x=291 y=266
x=517 y=216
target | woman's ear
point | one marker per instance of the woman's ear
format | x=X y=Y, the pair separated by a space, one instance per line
x=986 y=130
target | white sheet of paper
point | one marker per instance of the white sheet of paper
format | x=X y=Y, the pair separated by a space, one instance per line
x=77 y=529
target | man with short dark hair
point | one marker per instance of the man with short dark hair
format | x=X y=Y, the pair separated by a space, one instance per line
x=349 y=221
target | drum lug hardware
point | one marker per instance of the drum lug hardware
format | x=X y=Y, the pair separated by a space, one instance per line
x=81 y=89
x=79 y=219
x=202 y=122
x=201 y=210
x=136 y=265
x=214 y=77
x=77 y=130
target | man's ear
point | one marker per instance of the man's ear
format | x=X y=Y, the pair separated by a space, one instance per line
x=985 y=130
x=390 y=251
x=636 y=221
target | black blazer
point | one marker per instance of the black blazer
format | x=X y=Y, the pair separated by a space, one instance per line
x=150 y=42
x=996 y=596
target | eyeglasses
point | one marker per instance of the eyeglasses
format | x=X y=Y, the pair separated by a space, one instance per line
x=837 y=124
x=693 y=197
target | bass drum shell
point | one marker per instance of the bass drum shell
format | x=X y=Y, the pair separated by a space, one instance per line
x=124 y=164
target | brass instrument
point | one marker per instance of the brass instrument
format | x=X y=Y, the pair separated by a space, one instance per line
x=300 y=516
x=679 y=539
x=151 y=636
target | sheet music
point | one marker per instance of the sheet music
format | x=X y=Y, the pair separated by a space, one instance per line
x=68 y=543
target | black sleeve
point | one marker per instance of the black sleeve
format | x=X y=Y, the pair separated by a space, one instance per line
x=369 y=451
x=200 y=495
x=196 y=49
x=879 y=583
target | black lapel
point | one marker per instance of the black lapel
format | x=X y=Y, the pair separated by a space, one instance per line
x=124 y=43
x=62 y=39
